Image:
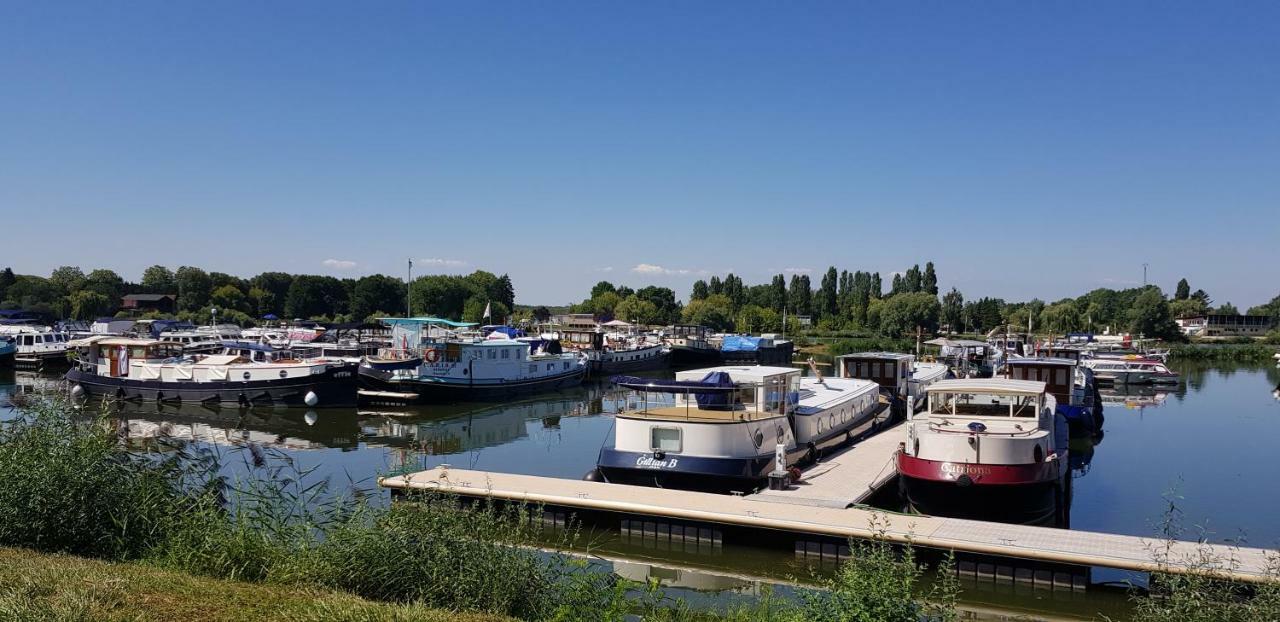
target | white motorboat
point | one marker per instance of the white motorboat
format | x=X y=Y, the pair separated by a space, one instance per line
x=900 y=375
x=722 y=428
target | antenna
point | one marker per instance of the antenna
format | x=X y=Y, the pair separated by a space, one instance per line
x=1144 y=274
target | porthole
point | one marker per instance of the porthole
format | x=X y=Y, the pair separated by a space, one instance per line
x=284 y=374
x=758 y=438
x=246 y=375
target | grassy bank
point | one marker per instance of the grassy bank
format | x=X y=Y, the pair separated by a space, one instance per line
x=1233 y=352
x=50 y=587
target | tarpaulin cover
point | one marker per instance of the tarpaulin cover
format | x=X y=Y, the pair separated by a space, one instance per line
x=506 y=330
x=737 y=343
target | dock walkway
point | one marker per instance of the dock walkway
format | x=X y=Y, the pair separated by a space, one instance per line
x=849 y=476
x=963 y=536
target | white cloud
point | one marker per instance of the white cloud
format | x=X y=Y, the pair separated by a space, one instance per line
x=436 y=261
x=339 y=264
x=1115 y=281
x=797 y=270
x=605 y=269
x=648 y=268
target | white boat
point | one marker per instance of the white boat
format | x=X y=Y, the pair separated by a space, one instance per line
x=1131 y=371
x=721 y=428
x=987 y=445
x=615 y=352
x=900 y=375
x=244 y=374
x=37 y=346
x=438 y=360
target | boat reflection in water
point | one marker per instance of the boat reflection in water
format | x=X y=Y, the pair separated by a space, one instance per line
x=289 y=429
x=1133 y=397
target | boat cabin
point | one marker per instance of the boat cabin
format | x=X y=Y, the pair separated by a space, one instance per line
x=582 y=339
x=1058 y=374
x=1069 y=353
x=112 y=356
x=690 y=335
x=986 y=398
x=717 y=394
x=891 y=370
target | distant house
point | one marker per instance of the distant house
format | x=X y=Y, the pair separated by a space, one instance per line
x=1215 y=325
x=164 y=303
x=575 y=320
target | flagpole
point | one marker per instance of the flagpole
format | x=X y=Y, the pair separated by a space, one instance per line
x=408 y=292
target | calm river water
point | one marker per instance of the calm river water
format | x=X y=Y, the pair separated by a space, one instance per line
x=1208 y=443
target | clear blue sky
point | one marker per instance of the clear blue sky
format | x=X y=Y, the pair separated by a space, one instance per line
x=1027 y=148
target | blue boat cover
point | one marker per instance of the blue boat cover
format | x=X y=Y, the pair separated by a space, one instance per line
x=716 y=382
x=506 y=330
x=738 y=343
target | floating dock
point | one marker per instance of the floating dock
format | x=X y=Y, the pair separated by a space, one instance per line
x=1000 y=552
x=844 y=478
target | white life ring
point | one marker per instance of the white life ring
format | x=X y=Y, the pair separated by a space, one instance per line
x=432 y=356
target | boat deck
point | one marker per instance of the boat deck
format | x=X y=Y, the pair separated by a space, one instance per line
x=693 y=413
x=964 y=536
x=848 y=476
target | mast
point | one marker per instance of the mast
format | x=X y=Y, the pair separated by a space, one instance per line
x=408 y=292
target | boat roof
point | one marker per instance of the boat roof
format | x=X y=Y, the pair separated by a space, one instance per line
x=988 y=385
x=1041 y=360
x=248 y=345
x=418 y=321
x=112 y=340
x=897 y=356
x=957 y=343
x=737 y=372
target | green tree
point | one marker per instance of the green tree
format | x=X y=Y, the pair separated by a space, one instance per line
x=315 y=296
x=827 y=302
x=929 y=282
x=1187 y=307
x=714 y=311
x=1183 y=291
x=1061 y=317
x=541 y=313
x=637 y=310
x=602 y=287
x=7 y=279
x=700 y=290
x=756 y=319
x=473 y=310
x=800 y=295
x=778 y=297
x=877 y=290
x=905 y=312
x=1227 y=308
x=159 y=280
x=441 y=295
x=263 y=302
x=229 y=298
x=194 y=288
x=1150 y=316
x=105 y=282
x=1270 y=309
x=664 y=300
x=953 y=310
x=376 y=292
x=69 y=279
x=277 y=284
x=89 y=305
x=604 y=305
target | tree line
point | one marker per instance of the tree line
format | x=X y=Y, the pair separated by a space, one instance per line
x=856 y=301
x=68 y=292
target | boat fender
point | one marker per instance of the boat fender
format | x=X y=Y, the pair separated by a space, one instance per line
x=77 y=391
x=311 y=398
x=794 y=473
x=432 y=356
x=594 y=475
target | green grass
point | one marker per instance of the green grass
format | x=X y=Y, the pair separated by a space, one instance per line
x=63 y=588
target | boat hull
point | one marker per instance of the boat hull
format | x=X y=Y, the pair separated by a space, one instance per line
x=651 y=363
x=414 y=391
x=684 y=472
x=335 y=388
x=1021 y=493
x=7 y=359
x=684 y=357
x=41 y=360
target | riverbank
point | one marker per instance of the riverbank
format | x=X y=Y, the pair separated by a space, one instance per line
x=38 y=586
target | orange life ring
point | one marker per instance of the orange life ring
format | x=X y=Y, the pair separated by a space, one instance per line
x=432 y=356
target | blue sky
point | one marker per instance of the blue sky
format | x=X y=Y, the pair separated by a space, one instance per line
x=1027 y=148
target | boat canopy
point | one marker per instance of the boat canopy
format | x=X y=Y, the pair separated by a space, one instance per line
x=418 y=321
x=738 y=343
x=716 y=382
x=988 y=386
x=957 y=343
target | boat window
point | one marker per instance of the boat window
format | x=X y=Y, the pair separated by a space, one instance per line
x=566 y=364
x=533 y=369
x=493 y=354
x=506 y=353
x=1061 y=377
x=551 y=366
x=665 y=439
